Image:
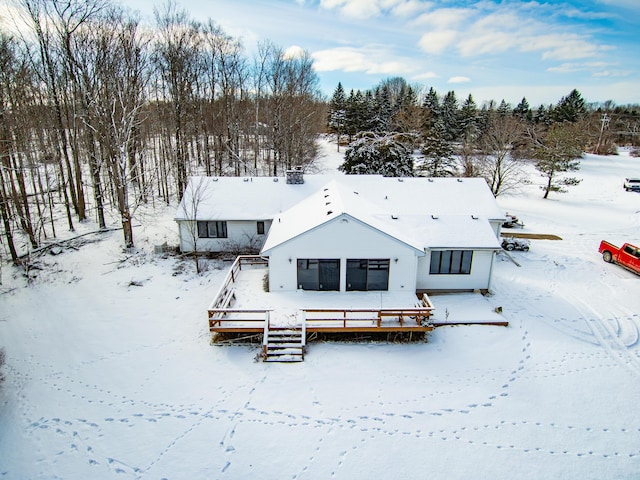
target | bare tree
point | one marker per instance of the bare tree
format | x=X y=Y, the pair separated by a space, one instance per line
x=117 y=105
x=195 y=193
x=499 y=165
x=177 y=60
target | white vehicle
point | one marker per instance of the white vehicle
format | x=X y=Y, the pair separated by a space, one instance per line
x=632 y=184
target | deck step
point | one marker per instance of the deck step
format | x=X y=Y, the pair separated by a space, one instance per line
x=284 y=345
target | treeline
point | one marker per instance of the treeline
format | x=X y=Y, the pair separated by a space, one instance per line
x=394 y=129
x=98 y=113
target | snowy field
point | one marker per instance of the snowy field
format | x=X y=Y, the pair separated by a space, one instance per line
x=110 y=373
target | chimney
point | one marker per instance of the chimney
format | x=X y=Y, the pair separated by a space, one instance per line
x=294 y=176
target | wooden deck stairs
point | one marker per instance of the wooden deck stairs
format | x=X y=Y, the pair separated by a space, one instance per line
x=283 y=345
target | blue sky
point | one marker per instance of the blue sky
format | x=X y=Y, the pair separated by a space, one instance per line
x=491 y=49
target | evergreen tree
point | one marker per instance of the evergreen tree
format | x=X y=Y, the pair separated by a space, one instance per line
x=523 y=111
x=468 y=124
x=571 y=108
x=387 y=155
x=504 y=109
x=543 y=115
x=450 y=116
x=431 y=110
x=437 y=151
x=468 y=117
x=559 y=151
x=369 y=112
x=383 y=109
x=337 y=121
x=352 y=114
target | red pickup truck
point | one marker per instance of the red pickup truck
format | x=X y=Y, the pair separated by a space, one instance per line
x=627 y=256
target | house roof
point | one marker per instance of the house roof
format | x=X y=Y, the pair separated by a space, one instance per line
x=243 y=198
x=330 y=202
x=405 y=219
x=263 y=198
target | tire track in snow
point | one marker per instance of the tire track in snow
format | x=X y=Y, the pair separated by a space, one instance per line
x=607 y=337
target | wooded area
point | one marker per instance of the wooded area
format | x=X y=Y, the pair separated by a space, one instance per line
x=99 y=115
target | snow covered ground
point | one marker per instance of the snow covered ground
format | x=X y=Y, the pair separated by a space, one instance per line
x=110 y=373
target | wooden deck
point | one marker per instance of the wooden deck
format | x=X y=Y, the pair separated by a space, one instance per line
x=224 y=318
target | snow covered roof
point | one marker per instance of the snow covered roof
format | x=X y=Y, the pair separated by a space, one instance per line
x=333 y=200
x=243 y=198
x=263 y=198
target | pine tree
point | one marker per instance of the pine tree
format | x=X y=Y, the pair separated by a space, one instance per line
x=557 y=152
x=523 y=111
x=571 y=108
x=387 y=155
x=337 y=121
x=468 y=117
x=438 y=153
x=431 y=110
x=384 y=109
x=450 y=116
x=504 y=109
x=352 y=115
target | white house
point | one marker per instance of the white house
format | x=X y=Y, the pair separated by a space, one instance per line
x=354 y=232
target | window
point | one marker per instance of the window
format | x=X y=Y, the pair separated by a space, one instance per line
x=451 y=262
x=260 y=226
x=319 y=274
x=212 y=229
x=363 y=274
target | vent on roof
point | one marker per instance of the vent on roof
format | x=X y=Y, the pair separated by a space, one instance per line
x=394 y=217
x=329 y=212
x=435 y=217
x=327 y=203
x=356 y=193
x=430 y=179
x=401 y=179
x=475 y=217
x=460 y=180
x=246 y=179
x=275 y=179
x=215 y=179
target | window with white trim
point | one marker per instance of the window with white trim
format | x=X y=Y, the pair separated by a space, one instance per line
x=217 y=229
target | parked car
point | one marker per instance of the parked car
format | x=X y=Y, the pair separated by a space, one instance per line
x=632 y=184
x=627 y=256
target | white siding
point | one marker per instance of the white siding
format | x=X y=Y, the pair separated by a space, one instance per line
x=343 y=239
x=239 y=232
x=478 y=279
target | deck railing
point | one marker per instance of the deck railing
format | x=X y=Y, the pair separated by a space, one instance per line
x=225 y=296
x=223 y=317
x=366 y=318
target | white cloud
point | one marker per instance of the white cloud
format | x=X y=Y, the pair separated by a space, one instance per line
x=294 y=51
x=487 y=43
x=459 y=80
x=371 y=60
x=437 y=42
x=578 y=67
x=444 y=18
x=370 y=8
x=488 y=29
x=424 y=76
